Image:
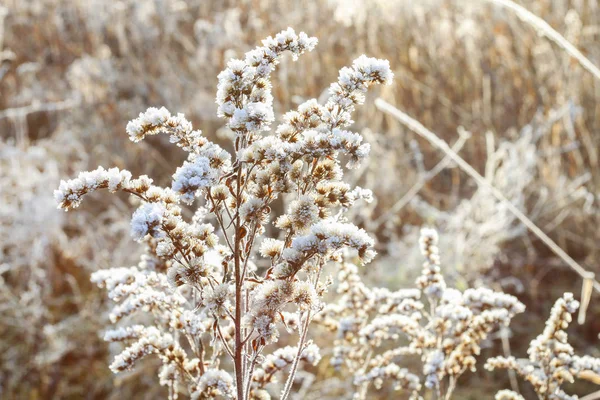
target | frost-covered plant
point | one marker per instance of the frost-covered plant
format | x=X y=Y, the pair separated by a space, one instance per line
x=216 y=303
x=378 y=329
x=551 y=361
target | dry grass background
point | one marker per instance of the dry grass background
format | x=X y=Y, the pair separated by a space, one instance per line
x=525 y=114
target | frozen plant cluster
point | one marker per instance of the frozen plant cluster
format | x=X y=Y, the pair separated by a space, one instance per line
x=213 y=304
x=379 y=330
x=552 y=360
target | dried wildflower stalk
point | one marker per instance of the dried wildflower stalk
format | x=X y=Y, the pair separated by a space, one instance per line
x=442 y=326
x=551 y=359
x=230 y=303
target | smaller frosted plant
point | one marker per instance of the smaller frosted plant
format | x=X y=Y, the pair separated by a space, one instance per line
x=551 y=359
x=378 y=330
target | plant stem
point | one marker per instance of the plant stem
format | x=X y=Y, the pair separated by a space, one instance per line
x=239 y=348
x=451 y=387
x=251 y=371
x=290 y=381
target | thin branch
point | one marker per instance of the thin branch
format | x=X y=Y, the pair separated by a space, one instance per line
x=290 y=381
x=592 y=396
x=251 y=371
x=225 y=344
x=38 y=107
x=422 y=180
